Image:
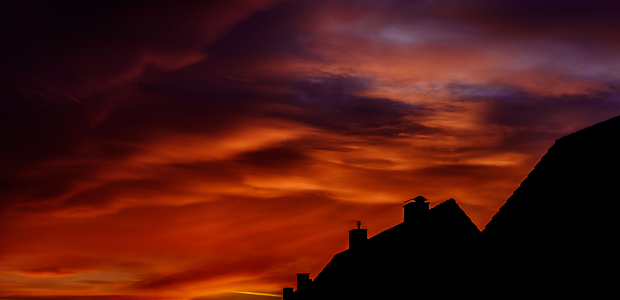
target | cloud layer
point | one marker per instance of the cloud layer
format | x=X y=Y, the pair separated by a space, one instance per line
x=204 y=149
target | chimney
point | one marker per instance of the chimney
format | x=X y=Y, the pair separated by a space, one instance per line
x=416 y=211
x=358 y=237
x=303 y=282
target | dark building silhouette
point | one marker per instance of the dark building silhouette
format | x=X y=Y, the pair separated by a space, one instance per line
x=414 y=253
x=560 y=226
x=555 y=237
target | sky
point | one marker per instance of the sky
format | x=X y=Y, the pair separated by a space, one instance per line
x=211 y=150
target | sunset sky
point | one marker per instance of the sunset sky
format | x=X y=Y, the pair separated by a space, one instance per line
x=213 y=149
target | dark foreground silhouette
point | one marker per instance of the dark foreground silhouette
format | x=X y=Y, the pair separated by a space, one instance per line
x=555 y=237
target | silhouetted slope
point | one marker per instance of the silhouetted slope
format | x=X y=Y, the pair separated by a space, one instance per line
x=560 y=226
x=421 y=254
x=575 y=181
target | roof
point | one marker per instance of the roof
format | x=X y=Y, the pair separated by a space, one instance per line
x=576 y=178
x=446 y=223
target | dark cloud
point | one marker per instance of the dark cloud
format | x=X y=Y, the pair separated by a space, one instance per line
x=556 y=19
x=280 y=31
x=335 y=104
x=276 y=157
x=477 y=92
x=516 y=109
x=536 y=121
x=74 y=48
x=48 y=271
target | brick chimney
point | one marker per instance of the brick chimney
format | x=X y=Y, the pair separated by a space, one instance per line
x=358 y=237
x=303 y=282
x=416 y=209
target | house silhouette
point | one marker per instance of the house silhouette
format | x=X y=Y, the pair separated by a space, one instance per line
x=387 y=259
x=555 y=237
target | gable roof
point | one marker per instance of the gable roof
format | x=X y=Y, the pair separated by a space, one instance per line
x=445 y=223
x=445 y=218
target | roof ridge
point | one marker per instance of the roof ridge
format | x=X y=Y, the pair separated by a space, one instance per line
x=376 y=235
x=443 y=204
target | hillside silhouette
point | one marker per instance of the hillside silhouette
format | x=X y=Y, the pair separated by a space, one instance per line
x=555 y=237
